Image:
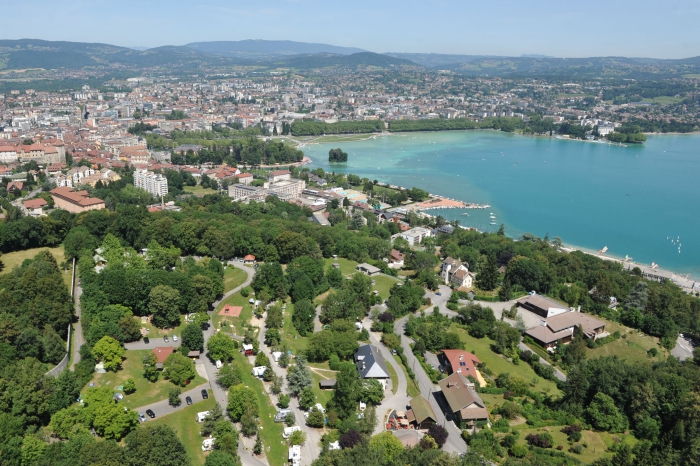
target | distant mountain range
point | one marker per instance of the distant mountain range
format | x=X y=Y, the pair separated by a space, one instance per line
x=256 y=49
x=32 y=53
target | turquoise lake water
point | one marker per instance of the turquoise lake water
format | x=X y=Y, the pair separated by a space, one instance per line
x=630 y=199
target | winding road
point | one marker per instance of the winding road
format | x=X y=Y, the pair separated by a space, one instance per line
x=207 y=366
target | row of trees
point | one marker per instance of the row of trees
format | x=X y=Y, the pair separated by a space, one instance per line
x=315 y=128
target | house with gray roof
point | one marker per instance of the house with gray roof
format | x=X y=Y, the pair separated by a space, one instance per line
x=370 y=364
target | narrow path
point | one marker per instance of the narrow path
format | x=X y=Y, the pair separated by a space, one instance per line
x=557 y=373
x=77 y=325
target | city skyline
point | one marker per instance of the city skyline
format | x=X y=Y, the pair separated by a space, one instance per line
x=506 y=28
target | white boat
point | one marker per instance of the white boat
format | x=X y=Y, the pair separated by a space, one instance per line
x=493 y=223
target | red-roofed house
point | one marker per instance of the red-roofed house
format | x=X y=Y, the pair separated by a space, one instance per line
x=460 y=361
x=249 y=259
x=162 y=353
x=15 y=186
x=396 y=259
x=34 y=206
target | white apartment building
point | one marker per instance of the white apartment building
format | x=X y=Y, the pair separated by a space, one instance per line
x=154 y=183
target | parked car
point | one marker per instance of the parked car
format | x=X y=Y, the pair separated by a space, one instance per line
x=205 y=395
x=142 y=418
x=150 y=413
x=146 y=340
x=205 y=326
x=174 y=337
x=188 y=400
x=165 y=339
x=438 y=293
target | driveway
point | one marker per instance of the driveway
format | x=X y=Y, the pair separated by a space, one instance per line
x=153 y=343
x=163 y=408
x=684 y=349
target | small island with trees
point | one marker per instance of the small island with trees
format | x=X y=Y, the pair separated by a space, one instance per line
x=337 y=156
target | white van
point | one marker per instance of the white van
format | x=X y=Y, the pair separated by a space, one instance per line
x=218 y=364
x=208 y=444
x=289 y=430
x=201 y=416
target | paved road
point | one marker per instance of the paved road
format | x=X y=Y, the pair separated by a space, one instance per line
x=77 y=325
x=163 y=408
x=153 y=343
x=454 y=444
x=684 y=349
x=310 y=450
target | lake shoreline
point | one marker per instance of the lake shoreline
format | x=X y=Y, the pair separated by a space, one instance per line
x=476 y=155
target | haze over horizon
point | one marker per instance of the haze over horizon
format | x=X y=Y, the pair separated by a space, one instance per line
x=502 y=27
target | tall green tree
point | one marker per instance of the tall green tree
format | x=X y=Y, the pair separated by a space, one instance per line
x=164 y=305
x=156 y=446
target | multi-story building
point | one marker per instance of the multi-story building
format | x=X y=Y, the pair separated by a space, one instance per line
x=154 y=183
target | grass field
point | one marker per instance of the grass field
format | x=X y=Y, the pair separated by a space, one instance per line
x=290 y=337
x=146 y=392
x=198 y=190
x=185 y=424
x=481 y=347
x=270 y=431
x=596 y=449
x=394 y=378
x=155 y=332
x=383 y=283
x=246 y=314
x=664 y=100
x=411 y=387
x=632 y=348
x=233 y=277
x=15 y=259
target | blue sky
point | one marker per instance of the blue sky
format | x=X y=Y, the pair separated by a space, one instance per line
x=561 y=28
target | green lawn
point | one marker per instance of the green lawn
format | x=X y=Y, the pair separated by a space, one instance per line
x=290 y=337
x=270 y=431
x=154 y=332
x=411 y=387
x=664 y=100
x=394 y=378
x=15 y=259
x=233 y=277
x=347 y=267
x=632 y=348
x=596 y=446
x=481 y=347
x=246 y=314
x=322 y=396
x=185 y=424
x=198 y=190
x=146 y=392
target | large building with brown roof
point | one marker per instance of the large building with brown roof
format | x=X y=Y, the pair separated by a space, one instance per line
x=464 y=402
x=561 y=328
x=75 y=201
x=541 y=305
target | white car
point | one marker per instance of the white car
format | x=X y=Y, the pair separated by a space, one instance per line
x=174 y=337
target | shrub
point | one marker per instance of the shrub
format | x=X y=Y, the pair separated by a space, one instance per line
x=129 y=386
x=578 y=449
x=349 y=439
x=519 y=451
x=652 y=353
x=283 y=401
x=245 y=292
x=502 y=425
x=543 y=440
x=438 y=433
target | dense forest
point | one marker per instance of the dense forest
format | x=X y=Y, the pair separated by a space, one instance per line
x=443 y=124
